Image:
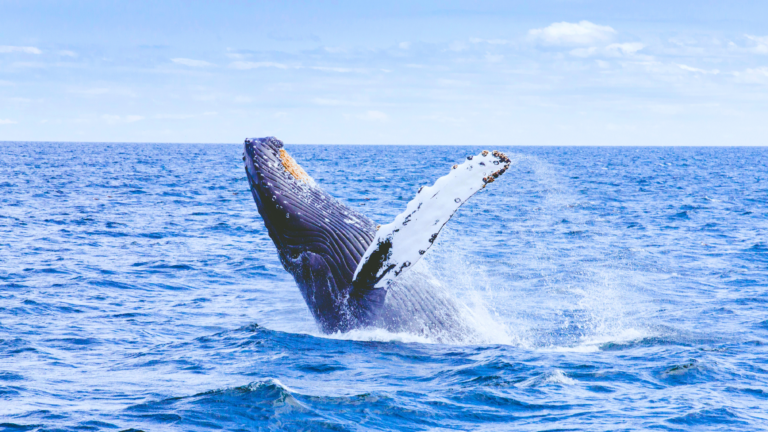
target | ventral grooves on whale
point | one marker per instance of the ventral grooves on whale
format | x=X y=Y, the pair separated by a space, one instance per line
x=344 y=267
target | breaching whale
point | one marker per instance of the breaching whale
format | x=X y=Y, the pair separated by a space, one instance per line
x=349 y=271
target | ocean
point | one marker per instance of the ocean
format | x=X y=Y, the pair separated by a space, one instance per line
x=610 y=289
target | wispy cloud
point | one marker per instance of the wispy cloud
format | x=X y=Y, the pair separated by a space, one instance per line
x=612 y=50
x=116 y=119
x=565 y=33
x=753 y=76
x=335 y=50
x=236 y=55
x=245 y=65
x=191 y=62
x=7 y=121
x=337 y=69
x=761 y=46
x=458 y=46
x=494 y=58
x=373 y=116
x=67 y=53
x=7 y=49
x=333 y=102
x=697 y=70
x=490 y=41
x=180 y=116
x=102 y=91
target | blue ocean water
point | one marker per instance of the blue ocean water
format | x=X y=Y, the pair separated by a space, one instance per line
x=611 y=289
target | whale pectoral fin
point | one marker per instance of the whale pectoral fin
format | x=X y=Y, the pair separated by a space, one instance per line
x=400 y=244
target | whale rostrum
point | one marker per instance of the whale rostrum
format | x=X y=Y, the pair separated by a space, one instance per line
x=351 y=274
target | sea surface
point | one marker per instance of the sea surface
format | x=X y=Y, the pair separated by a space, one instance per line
x=611 y=289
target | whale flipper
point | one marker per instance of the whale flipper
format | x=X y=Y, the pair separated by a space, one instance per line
x=400 y=244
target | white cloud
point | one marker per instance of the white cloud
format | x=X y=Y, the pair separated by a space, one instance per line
x=373 y=116
x=7 y=121
x=584 y=52
x=625 y=48
x=67 y=53
x=191 y=62
x=178 y=116
x=244 y=65
x=762 y=44
x=753 y=76
x=697 y=70
x=457 y=46
x=565 y=33
x=490 y=41
x=115 y=119
x=101 y=91
x=333 y=102
x=6 y=49
x=336 y=69
x=494 y=58
x=612 y=50
x=404 y=45
x=237 y=56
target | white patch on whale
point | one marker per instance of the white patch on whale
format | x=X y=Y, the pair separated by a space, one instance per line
x=402 y=243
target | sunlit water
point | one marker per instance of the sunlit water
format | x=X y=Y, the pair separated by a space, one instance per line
x=611 y=289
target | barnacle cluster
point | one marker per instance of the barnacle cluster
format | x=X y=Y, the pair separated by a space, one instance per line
x=502 y=157
x=292 y=167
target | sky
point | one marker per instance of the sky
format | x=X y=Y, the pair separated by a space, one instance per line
x=545 y=72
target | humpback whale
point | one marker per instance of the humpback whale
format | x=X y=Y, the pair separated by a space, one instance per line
x=352 y=273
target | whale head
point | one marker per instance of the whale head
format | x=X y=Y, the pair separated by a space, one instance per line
x=319 y=240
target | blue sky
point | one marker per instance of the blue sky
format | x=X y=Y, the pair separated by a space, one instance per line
x=561 y=72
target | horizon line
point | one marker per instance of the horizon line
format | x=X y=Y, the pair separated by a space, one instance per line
x=393 y=145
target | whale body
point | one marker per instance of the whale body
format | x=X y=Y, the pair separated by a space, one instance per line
x=351 y=273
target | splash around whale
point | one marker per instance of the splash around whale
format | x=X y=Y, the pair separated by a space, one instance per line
x=352 y=273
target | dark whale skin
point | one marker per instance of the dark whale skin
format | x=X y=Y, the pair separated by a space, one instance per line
x=315 y=240
x=320 y=242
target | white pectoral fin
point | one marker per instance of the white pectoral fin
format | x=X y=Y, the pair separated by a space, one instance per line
x=400 y=244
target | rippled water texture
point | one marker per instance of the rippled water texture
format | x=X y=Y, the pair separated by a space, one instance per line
x=612 y=289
